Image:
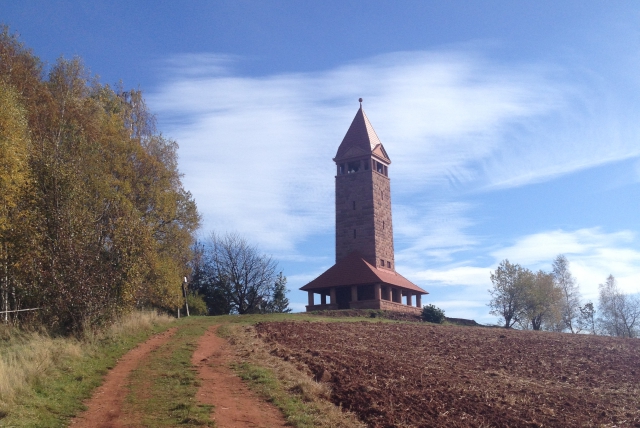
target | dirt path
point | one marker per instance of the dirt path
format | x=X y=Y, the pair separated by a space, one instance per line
x=105 y=406
x=235 y=405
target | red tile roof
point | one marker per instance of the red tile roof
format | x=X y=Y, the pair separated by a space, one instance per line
x=361 y=138
x=354 y=270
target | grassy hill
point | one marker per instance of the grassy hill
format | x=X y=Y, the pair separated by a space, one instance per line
x=347 y=371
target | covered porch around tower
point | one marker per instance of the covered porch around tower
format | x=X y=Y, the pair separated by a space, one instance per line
x=365 y=296
x=352 y=283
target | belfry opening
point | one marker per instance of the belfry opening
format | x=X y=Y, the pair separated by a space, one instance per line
x=364 y=275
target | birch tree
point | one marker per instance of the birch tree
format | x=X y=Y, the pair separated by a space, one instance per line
x=13 y=177
x=619 y=312
x=570 y=305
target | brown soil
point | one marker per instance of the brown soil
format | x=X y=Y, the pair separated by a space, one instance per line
x=104 y=409
x=235 y=405
x=417 y=375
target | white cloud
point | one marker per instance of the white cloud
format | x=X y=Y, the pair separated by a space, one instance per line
x=540 y=247
x=256 y=151
x=297 y=281
x=592 y=254
x=431 y=230
x=460 y=275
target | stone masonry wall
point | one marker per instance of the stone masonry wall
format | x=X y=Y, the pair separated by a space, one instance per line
x=355 y=211
x=363 y=204
x=382 y=221
x=386 y=306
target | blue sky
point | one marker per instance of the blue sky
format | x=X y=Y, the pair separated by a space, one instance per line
x=512 y=125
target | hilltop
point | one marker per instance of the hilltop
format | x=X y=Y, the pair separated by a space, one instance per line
x=333 y=371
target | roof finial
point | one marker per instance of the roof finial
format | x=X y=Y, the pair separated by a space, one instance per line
x=360 y=99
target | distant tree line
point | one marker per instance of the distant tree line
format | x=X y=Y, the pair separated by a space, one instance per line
x=233 y=277
x=94 y=219
x=551 y=301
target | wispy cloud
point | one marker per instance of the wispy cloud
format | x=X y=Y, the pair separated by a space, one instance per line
x=592 y=253
x=256 y=151
x=431 y=230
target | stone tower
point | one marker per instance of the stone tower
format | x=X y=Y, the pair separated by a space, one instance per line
x=364 y=275
x=363 y=196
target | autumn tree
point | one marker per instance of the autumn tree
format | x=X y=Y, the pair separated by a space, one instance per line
x=20 y=88
x=570 y=306
x=14 y=175
x=541 y=298
x=619 y=312
x=510 y=283
x=101 y=223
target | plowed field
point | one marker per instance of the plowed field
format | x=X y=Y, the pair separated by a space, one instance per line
x=419 y=375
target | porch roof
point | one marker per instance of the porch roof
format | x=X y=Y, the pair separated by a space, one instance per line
x=354 y=270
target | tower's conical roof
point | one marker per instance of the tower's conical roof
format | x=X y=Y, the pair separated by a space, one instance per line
x=361 y=139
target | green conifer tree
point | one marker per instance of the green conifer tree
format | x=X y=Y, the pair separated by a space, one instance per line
x=279 y=302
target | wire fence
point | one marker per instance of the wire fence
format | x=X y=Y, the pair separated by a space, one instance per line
x=19 y=310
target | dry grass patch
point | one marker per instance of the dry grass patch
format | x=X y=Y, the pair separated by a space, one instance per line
x=44 y=378
x=139 y=320
x=289 y=385
x=29 y=359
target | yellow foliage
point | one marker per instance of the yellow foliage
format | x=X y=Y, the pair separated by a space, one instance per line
x=94 y=220
x=13 y=150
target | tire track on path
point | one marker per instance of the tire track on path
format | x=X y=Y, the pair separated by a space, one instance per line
x=104 y=408
x=235 y=405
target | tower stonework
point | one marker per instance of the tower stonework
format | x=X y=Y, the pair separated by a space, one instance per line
x=364 y=275
x=363 y=196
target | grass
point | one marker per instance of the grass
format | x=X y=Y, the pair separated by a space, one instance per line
x=304 y=402
x=44 y=379
x=265 y=382
x=304 y=317
x=163 y=389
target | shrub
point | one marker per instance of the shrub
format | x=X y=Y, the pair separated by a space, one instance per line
x=432 y=313
x=197 y=305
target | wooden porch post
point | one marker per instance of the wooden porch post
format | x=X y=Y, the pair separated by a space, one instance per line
x=332 y=292
x=323 y=298
x=354 y=293
x=419 y=300
x=310 y=298
x=409 y=298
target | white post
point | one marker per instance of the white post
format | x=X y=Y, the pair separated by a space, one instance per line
x=184 y=289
